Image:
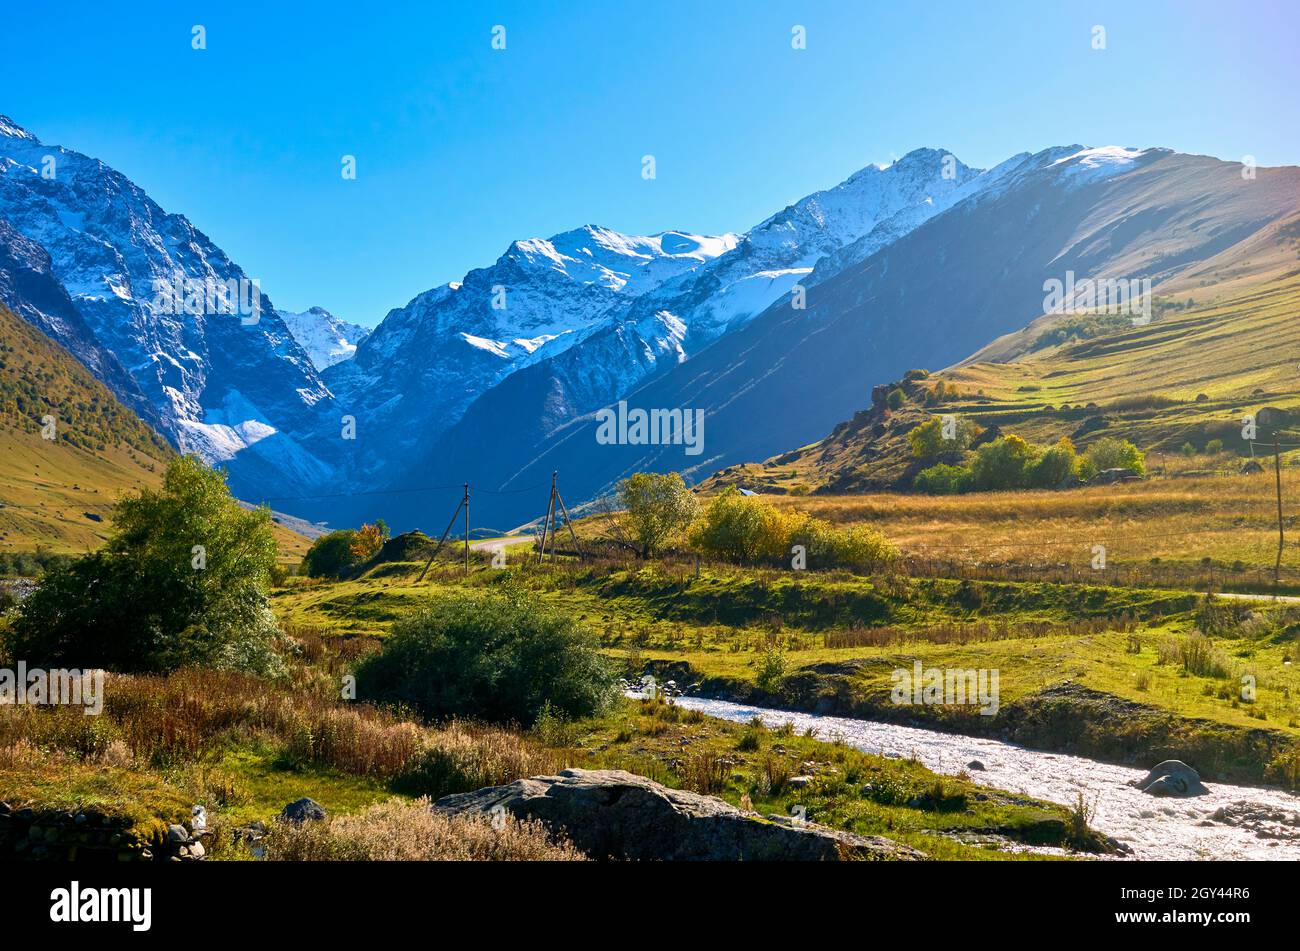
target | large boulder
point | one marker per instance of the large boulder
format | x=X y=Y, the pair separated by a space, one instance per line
x=1172 y=778
x=303 y=810
x=615 y=814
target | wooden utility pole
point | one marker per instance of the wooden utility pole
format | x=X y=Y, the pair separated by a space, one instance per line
x=1281 y=538
x=546 y=522
x=551 y=523
x=464 y=503
x=567 y=521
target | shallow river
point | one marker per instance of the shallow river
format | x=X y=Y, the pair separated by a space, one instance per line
x=1231 y=822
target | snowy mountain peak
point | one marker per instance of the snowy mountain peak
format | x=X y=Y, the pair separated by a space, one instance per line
x=326 y=339
x=14 y=131
x=620 y=262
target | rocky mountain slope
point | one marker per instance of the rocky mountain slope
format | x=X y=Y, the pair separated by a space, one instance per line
x=223 y=378
x=325 y=339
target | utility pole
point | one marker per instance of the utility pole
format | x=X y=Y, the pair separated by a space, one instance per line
x=551 y=523
x=464 y=503
x=567 y=520
x=546 y=522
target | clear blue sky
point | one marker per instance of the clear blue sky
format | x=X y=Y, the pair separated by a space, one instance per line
x=460 y=148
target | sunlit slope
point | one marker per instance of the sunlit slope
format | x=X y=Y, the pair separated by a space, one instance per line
x=57 y=494
x=1189 y=376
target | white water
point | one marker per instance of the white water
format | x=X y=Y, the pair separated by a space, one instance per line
x=1261 y=823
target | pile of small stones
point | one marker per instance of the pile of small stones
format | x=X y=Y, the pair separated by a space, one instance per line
x=48 y=835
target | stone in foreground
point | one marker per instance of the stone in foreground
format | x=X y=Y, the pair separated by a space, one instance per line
x=1172 y=778
x=616 y=814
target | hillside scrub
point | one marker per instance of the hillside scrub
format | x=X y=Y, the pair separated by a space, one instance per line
x=1010 y=463
x=749 y=531
x=495 y=657
x=182 y=581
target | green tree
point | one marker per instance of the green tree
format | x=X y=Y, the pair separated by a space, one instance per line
x=182 y=580
x=927 y=439
x=331 y=554
x=494 y=657
x=1054 y=467
x=657 y=509
x=1003 y=463
x=896 y=398
x=742 y=529
x=1115 y=453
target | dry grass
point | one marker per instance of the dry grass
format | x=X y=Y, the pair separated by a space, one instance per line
x=178 y=719
x=402 y=831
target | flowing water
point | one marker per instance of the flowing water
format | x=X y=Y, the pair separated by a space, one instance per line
x=1231 y=822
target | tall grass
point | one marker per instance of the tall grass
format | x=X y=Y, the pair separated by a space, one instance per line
x=400 y=831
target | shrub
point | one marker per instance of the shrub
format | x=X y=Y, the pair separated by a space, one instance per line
x=1214 y=447
x=943 y=479
x=490 y=656
x=181 y=581
x=742 y=529
x=1003 y=464
x=896 y=398
x=1055 y=467
x=855 y=547
x=771 y=671
x=1115 y=453
x=331 y=554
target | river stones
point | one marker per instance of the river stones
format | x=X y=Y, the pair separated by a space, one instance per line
x=1172 y=778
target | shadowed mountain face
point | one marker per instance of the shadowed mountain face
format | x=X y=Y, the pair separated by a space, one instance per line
x=927 y=300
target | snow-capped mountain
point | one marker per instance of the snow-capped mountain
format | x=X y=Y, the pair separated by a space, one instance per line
x=425 y=362
x=326 y=339
x=930 y=298
x=218 y=369
x=590 y=314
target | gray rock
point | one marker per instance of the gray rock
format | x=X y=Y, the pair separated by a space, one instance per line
x=303 y=810
x=1172 y=778
x=177 y=834
x=615 y=814
x=975 y=765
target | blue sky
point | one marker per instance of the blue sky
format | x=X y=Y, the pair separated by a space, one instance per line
x=461 y=149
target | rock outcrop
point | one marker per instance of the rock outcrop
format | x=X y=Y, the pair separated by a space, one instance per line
x=615 y=814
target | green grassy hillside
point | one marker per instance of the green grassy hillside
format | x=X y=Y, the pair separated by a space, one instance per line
x=58 y=494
